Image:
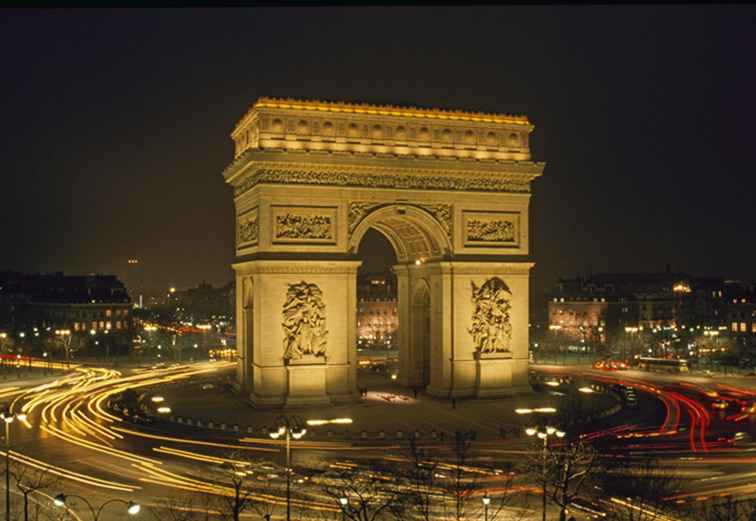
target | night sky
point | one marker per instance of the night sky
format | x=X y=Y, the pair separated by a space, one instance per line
x=116 y=125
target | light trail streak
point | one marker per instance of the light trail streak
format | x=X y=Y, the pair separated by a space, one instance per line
x=69 y=474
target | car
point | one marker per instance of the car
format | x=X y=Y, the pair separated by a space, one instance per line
x=207 y=387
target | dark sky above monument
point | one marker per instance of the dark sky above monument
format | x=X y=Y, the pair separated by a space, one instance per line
x=116 y=124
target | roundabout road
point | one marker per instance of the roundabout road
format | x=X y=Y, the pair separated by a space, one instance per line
x=72 y=433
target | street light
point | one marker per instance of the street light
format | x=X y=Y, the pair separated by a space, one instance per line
x=289 y=427
x=132 y=508
x=544 y=435
x=344 y=502
x=8 y=418
x=543 y=432
x=486 y=502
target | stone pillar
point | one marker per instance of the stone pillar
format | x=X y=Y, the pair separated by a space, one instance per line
x=326 y=310
x=458 y=369
x=244 y=336
x=404 y=297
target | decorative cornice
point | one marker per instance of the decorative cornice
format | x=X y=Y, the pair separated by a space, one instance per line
x=460 y=165
x=381 y=110
x=296 y=267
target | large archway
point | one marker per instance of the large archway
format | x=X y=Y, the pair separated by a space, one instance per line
x=449 y=190
x=420 y=243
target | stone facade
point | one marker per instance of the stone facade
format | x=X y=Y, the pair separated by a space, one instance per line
x=449 y=190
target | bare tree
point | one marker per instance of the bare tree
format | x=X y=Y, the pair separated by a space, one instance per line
x=199 y=506
x=236 y=477
x=725 y=509
x=460 y=486
x=569 y=467
x=422 y=474
x=30 y=480
x=637 y=490
x=367 y=495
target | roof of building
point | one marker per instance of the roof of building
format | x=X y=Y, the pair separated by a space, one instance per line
x=69 y=289
x=385 y=110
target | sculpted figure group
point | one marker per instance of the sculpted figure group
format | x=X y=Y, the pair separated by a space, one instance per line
x=304 y=321
x=491 y=327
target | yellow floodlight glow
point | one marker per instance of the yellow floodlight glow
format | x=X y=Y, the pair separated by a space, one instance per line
x=337 y=421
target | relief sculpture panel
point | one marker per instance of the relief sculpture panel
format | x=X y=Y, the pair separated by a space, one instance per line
x=304 y=225
x=491 y=229
x=491 y=323
x=247 y=228
x=304 y=322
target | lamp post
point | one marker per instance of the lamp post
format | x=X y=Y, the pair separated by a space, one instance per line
x=291 y=427
x=8 y=418
x=544 y=434
x=486 y=502
x=344 y=502
x=132 y=508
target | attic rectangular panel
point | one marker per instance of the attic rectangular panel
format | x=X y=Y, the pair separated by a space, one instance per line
x=491 y=229
x=304 y=224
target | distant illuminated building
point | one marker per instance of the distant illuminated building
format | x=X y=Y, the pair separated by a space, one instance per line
x=377 y=318
x=603 y=306
x=135 y=281
x=81 y=304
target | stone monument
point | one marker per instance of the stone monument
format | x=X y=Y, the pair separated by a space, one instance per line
x=450 y=190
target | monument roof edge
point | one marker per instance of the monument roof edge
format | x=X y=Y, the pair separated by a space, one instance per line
x=381 y=110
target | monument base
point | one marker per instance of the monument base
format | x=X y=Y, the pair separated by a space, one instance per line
x=494 y=375
x=307 y=382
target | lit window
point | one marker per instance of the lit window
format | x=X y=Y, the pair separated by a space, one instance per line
x=108 y=312
x=753 y=327
x=118 y=324
x=102 y=324
x=743 y=327
x=94 y=325
x=734 y=327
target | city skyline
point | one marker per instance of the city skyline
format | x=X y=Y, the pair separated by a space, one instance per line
x=122 y=122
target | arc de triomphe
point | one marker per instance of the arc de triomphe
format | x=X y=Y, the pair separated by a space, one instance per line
x=450 y=190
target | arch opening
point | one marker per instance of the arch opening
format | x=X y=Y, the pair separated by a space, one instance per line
x=397 y=244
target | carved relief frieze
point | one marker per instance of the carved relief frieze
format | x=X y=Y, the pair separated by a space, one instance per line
x=442 y=213
x=304 y=322
x=408 y=181
x=304 y=224
x=491 y=229
x=247 y=228
x=491 y=324
x=357 y=211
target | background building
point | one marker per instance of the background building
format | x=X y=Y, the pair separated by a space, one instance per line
x=661 y=314
x=377 y=318
x=40 y=312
